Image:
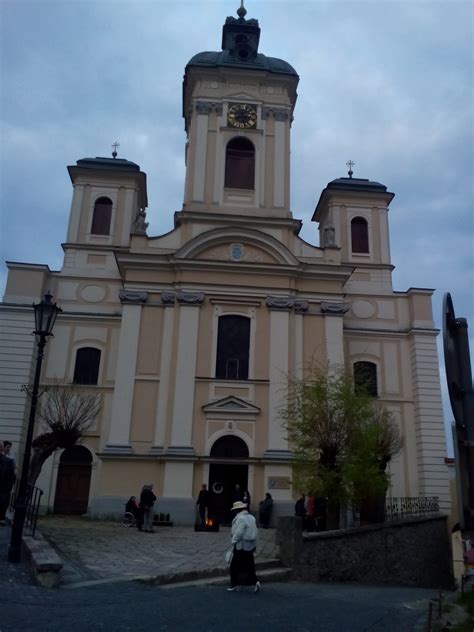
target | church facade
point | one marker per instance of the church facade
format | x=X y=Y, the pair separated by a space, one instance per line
x=189 y=336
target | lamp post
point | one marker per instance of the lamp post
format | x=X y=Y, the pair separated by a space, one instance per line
x=45 y=317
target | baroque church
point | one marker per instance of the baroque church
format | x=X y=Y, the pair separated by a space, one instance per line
x=189 y=336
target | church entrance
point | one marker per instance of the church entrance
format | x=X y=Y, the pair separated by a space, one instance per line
x=74 y=478
x=225 y=475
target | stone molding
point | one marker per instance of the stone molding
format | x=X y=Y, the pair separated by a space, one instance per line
x=285 y=303
x=278 y=115
x=204 y=107
x=334 y=309
x=168 y=299
x=278 y=455
x=117 y=449
x=180 y=450
x=133 y=296
x=157 y=450
x=190 y=298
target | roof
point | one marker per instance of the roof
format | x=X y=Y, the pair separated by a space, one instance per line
x=108 y=163
x=224 y=58
x=352 y=186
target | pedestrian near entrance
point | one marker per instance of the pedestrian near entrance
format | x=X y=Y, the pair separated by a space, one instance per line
x=147 y=500
x=244 y=535
x=247 y=499
x=7 y=478
x=265 y=509
x=203 y=502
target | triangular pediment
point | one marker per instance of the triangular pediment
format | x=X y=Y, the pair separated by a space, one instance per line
x=231 y=404
x=241 y=96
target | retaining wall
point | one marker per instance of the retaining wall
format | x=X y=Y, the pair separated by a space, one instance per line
x=412 y=552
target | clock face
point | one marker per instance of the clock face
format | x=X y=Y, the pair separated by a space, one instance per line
x=242 y=116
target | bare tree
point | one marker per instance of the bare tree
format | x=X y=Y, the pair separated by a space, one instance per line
x=67 y=413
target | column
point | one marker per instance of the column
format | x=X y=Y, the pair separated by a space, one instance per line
x=119 y=432
x=183 y=404
x=168 y=300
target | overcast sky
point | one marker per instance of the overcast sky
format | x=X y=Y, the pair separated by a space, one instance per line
x=387 y=84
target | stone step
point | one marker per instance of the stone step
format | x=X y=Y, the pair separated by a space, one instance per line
x=266 y=576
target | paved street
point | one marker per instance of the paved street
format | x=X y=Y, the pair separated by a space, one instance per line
x=94 y=550
x=135 y=606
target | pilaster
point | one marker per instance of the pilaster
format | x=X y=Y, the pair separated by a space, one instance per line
x=121 y=417
x=181 y=431
x=333 y=323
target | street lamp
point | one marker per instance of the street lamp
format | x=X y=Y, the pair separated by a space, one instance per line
x=45 y=317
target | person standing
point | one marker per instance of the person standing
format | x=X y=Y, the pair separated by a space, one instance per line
x=7 y=478
x=310 y=520
x=244 y=535
x=247 y=499
x=265 y=509
x=203 y=503
x=237 y=494
x=300 y=509
x=147 y=500
x=7 y=446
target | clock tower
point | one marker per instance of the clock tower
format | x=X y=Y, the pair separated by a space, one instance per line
x=238 y=107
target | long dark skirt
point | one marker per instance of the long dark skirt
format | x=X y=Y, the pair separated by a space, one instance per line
x=242 y=569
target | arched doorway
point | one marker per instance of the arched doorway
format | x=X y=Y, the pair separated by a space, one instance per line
x=224 y=476
x=74 y=479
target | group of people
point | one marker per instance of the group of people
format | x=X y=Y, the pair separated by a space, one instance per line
x=265 y=506
x=7 y=477
x=312 y=512
x=143 y=510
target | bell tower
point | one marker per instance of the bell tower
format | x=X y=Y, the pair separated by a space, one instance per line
x=238 y=106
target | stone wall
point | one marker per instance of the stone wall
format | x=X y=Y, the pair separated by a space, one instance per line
x=412 y=552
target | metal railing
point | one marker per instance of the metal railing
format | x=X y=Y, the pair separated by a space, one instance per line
x=411 y=506
x=32 y=507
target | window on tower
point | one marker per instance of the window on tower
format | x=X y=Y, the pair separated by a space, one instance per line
x=360 y=235
x=86 y=369
x=101 y=216
x=240 y=164
x=233 y=340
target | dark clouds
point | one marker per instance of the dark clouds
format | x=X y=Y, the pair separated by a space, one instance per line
x=386 y=84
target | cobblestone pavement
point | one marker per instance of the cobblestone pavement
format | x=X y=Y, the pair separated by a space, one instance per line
x=93 y=550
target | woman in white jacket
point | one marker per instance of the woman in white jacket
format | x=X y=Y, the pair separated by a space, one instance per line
x=244 y=535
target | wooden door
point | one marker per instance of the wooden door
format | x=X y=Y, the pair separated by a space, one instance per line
x=72 y=488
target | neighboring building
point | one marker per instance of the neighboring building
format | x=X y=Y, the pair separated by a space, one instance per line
x=189 y=336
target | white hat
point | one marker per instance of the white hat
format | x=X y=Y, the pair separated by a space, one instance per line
x=238 y=505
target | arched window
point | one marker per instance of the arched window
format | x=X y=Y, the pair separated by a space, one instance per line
x=101 y=217
x=359 y=235
x=240 y=164
x=233 y=340
x=230 y=447
x=365 y=378
x=86 y=369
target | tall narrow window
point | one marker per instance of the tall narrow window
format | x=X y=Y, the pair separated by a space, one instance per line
x=101 y=217
x=359 y=235
x=86 y=369
x=240 y=164
x=233 y=340
x=365 y=378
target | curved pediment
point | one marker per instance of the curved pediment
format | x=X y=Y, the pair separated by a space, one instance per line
x=237 y=245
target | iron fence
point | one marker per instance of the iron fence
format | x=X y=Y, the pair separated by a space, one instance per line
x=411 y=506
x=32 y=506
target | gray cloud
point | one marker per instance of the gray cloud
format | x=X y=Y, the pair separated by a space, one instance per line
x=387 y=84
